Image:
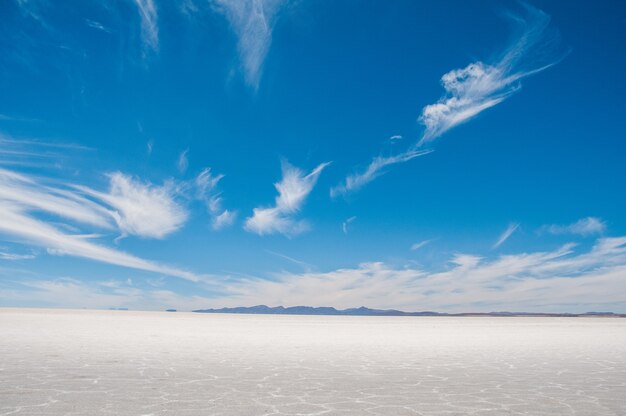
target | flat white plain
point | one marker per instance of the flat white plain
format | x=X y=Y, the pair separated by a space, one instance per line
x=70 y=362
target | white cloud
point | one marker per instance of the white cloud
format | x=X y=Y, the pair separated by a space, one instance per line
x=35 y=153
x=27 y=193
x=183 y=161
x=73 y=293
x=252 y=21
x=224 y=220
x=149 y=23
x=374 y=169
x=479 y=86
x=584 y=226
x=508 y=232
x=135 y=207
x=33 y=9
x=293 y=190
x=305 y=266
x=561 y=280
x=97 y=25
x=140 y=208
x=271 y=221
x=558 y=280
x=12 y=256
x=206 y=184
x=346 y=223
x=419 y=245
x=14 y=221
x=473 y=89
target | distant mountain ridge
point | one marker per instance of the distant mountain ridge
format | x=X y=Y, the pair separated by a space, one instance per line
x=363 y=311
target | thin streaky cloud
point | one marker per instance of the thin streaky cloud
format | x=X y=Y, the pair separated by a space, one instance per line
x=346 y=223
x=293 y=189
x=525 y=281
x=26 y=192
x=32 y=9
x=540 y=281
x=252 y=22
x=19 y=143
x=473 y=89
x=131 y=206
x=417 y=246
x=19 y=224
x=182 y=163
x=148 y=15
x=306 y=266
x=98 y=26
x=21 y=154
x=506 y=234
x=356 y=181
x=73 y=293
x=479 y=86
x=188 y=7
x=206 y=190
x=584 y=227
x=206 y=183
x=33 y=153
x=15 y=257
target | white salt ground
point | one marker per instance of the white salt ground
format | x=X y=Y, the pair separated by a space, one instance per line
x=69 y=362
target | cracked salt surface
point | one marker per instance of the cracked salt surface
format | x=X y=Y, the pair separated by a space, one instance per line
x=62 y=362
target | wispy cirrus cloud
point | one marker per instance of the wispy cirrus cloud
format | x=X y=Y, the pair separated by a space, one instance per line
x=475 y=88
x=4 y=255
x=346 y=224
x=148 y=15
x=28 y=193
x=506 y=234
x=182 y=163
x=293 y=189
x=26 y=152
x=417 y=246
x=206 y=184
x=252 y=21
x=74 y=293
x=32 y=9
x=140 y=208
x=130 y=206
x=98 y=26
x=19 y=224
x=305 y=266
x=479 y=86
x=584 y=227
x=558 y=280
x=356 y=181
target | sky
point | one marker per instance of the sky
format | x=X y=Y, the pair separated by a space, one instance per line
x=435 y=155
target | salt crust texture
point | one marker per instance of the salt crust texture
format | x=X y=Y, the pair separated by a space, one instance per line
x=70 y=362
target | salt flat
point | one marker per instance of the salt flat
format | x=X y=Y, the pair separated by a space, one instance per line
x=71 y=362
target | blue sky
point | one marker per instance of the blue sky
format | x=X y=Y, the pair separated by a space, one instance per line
x=415 y=155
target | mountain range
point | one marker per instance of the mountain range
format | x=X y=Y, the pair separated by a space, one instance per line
x=363 y=311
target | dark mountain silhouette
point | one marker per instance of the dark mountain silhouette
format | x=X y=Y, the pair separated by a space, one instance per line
x=363 y=311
